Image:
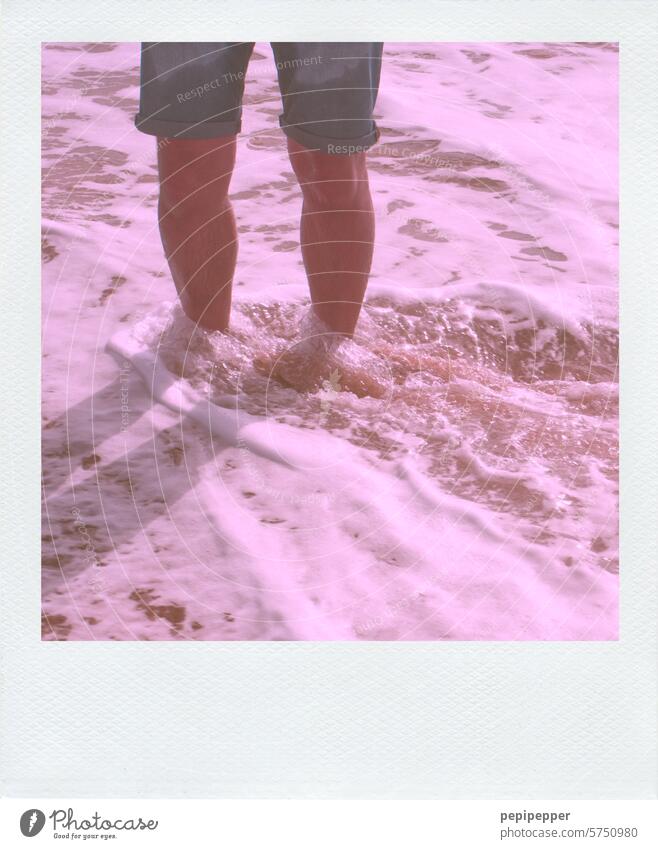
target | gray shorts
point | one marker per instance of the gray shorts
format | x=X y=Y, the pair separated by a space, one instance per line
x=328 y=89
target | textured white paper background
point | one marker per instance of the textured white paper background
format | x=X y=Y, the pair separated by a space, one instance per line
x=517 y=720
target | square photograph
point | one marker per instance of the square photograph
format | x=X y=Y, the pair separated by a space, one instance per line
x=330 y=341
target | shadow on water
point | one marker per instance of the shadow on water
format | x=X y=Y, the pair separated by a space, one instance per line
x=92 y=507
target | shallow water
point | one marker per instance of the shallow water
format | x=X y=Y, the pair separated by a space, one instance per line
x=451 y=473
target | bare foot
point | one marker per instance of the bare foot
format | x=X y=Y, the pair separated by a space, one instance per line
x=327 y=361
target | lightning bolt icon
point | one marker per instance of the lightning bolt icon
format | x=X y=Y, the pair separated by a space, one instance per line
x=33 y=819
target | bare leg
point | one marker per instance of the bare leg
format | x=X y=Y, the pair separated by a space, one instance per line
x=337 y=232
x=197 y=225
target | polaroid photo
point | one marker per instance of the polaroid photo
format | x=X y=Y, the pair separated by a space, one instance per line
x=329 y=429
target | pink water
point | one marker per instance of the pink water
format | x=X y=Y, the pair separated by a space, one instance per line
x=451 y=474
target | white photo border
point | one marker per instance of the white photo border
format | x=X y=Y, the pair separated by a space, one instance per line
x=327 y=720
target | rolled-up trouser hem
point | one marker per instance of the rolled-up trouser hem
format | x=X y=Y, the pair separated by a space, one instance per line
x=217 y=129
x=183 y=130
x=329 y=145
